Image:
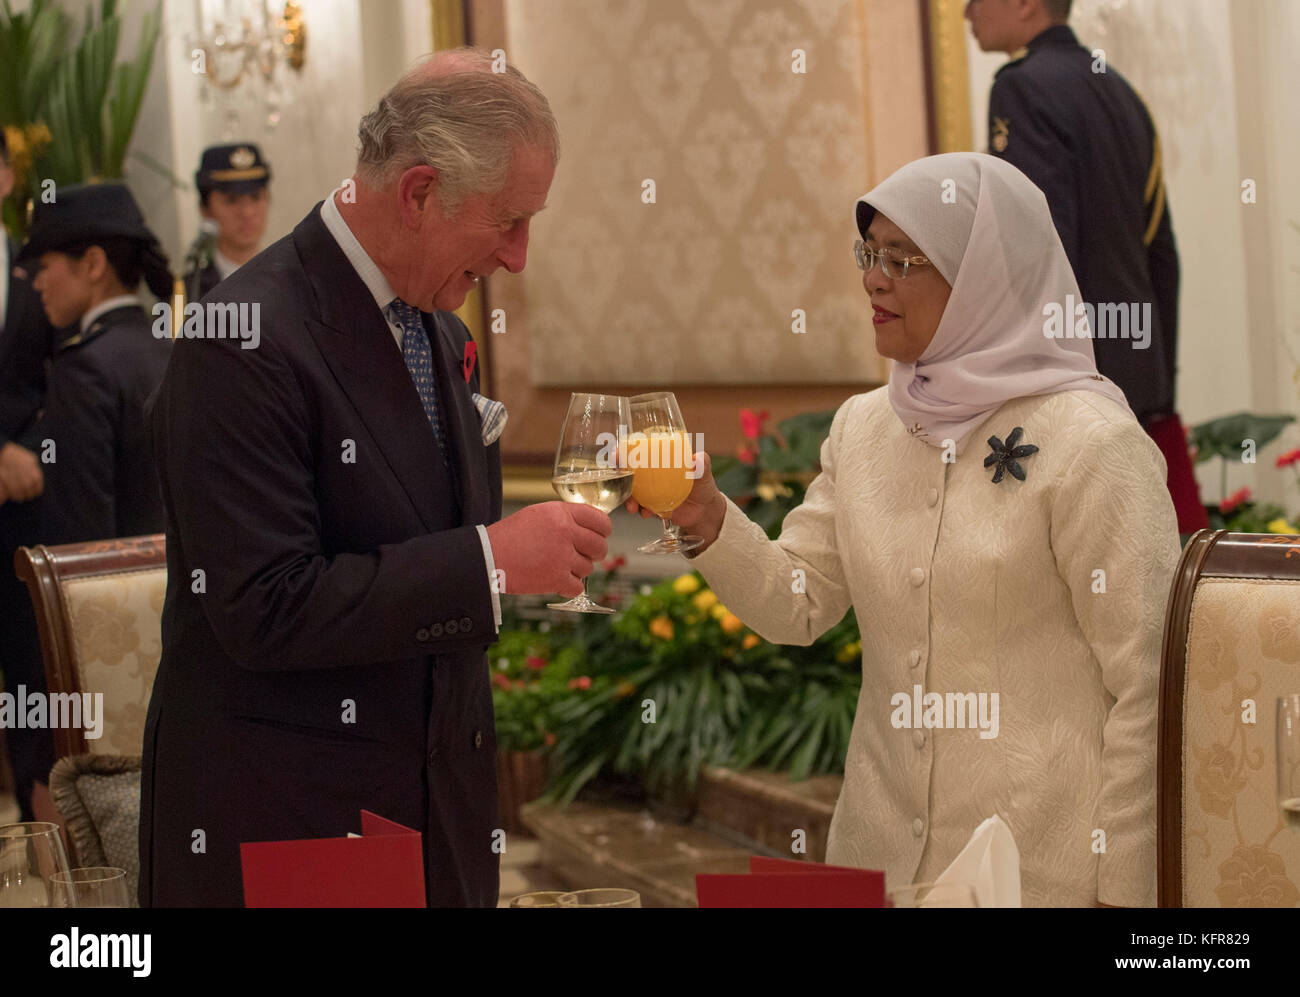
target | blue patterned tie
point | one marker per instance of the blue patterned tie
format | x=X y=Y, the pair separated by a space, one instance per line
x=419 y=361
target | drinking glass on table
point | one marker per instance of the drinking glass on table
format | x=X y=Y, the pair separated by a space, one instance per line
x=600 y=898
x=589 y=468
x=30 y=854
x=89 y=886
x=661 y=457
x=1288 y=758
x=934 y=895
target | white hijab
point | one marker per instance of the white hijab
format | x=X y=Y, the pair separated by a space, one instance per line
x=988 y=229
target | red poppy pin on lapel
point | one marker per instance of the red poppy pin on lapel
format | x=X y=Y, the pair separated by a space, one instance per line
x=467 y=364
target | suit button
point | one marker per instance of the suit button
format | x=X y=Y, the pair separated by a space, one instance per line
x=422 y=634
x=478 y=739
x=917 y=577
x=918 y=827
x=435 y=630
x=466 y=624
x=916 y=658
x=453 y=628
x=933 y=496
x=432 y=753
x=918 y=738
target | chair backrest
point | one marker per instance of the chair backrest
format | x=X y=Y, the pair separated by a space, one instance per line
x=1231 y=647
x=99 y=611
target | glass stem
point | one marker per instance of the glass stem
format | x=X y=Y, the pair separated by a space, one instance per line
x=671 y=530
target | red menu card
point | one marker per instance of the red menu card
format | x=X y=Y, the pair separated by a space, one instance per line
x=787 y=883
x=382 y=868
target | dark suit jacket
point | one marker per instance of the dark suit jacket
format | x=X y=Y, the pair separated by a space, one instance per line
x=200 y=282
x=102 y=482
x=306 y=587
x=1087 y=141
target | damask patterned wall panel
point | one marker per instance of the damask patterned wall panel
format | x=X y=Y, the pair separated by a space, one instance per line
x=755 y=167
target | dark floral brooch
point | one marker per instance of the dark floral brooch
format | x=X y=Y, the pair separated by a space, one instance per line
x=1007 y=455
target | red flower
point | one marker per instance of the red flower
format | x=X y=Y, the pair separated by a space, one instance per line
x=533 y=661
x=1288 y=458
x=614 y=564
x=581 y=682
x=751 y=423
x=549 y=739
x=747 y=454
x=1233 y=501
x=501 y=681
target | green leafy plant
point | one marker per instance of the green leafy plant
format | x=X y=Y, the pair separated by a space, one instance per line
x=770 y=474
x=1224 y=438
x=68 y=109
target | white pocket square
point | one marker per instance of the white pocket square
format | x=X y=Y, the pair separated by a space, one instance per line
x=491 y=416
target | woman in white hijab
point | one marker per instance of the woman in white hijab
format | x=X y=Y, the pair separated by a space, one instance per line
x=1000 y=523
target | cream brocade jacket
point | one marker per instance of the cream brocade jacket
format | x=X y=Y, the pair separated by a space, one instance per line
x=961 y=585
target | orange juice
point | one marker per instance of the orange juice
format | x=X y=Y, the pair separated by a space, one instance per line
x=660 y=460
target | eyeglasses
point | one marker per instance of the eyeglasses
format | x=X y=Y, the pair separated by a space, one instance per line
x=893 y=262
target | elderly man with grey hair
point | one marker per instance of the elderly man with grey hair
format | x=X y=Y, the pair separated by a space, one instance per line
x=335 y=550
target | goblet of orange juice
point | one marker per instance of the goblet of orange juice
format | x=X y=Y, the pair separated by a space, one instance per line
x=660 y=454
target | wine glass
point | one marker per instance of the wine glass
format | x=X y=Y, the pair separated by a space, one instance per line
x=1288 y=758
x=90 y=886
x=588 y=466
x=538 y=898
x=934 y=895
x=30 y=854
x=600 y=898
x=660 y=454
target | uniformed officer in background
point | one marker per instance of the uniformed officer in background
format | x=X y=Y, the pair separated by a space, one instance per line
x=26 y=342
x=233 y=200
x=1074 y=126
x=93 y=250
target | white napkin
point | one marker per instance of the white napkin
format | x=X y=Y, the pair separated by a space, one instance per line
x=991 y=863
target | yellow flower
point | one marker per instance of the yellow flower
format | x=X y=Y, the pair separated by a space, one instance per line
x=661 y=626
x=751 y=640
x=686 y=584
x=705 y=600
x=1280 y=525
x=720 y=611
x=731 y=624
x=623 y=690
x=692 y=618
x=849 y=651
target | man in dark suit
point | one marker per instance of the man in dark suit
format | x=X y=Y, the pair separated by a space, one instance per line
x=1075 y=127
x=26 y=341
x=234 y=197
x=333 y=499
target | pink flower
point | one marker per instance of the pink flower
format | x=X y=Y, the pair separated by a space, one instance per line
x=1288 y=458
x=581 y=682
x=614 y=564
x=501 y=681
x=1233 y=501
x=534 y=662
x=751 y=423
x=747 y=455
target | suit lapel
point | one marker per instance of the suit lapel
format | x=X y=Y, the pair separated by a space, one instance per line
x=461 y=417
x=358 y=346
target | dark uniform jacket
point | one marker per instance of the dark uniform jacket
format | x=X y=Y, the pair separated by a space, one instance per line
x=26 y=341
x=200 y=282
x=1086 y=139
x=323 y=566
x=101 y=482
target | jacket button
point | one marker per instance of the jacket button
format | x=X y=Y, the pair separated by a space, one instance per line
x=432 y=753
x=933 y=496
x=917 y=577
x=478 y=739
x=916 y=658
x=453 y=628
x=918 y=738
x=422 y=634
x=918 y=827
x=435 y=630
x=466 y=624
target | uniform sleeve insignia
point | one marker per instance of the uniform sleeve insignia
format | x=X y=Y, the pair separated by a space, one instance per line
x=1000 y=132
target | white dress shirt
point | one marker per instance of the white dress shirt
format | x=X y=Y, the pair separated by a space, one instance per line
x=383 y=294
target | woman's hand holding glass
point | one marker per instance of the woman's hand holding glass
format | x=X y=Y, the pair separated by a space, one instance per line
x=703 y=510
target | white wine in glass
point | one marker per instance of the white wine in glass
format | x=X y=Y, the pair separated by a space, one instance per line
x=30 y=855
x=660 y=454
x=1288 y=758
x=589 y=469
